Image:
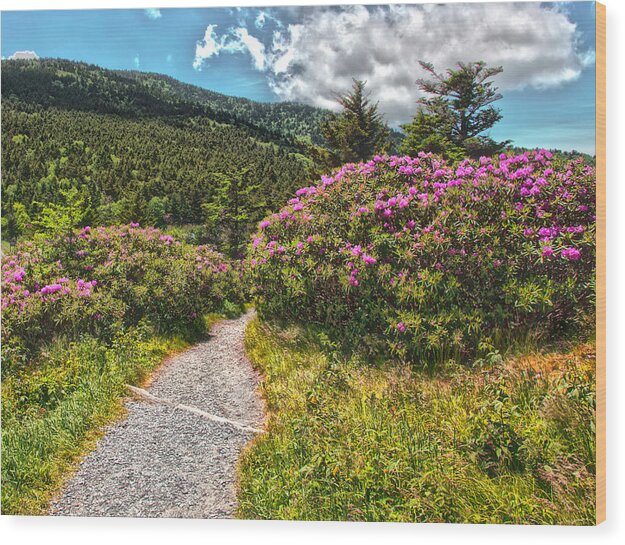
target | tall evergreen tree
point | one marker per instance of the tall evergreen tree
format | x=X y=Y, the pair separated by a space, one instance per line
x=358 y=132
x=452 y=120
x=234 y=208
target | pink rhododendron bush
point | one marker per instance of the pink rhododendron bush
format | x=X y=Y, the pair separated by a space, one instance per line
x=413 y=257
x=103 y=279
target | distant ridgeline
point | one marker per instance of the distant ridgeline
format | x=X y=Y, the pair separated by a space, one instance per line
x=142 y=147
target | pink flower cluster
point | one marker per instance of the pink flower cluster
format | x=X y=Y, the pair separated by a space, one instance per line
x=463 y=244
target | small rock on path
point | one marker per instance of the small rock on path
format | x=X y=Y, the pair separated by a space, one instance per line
x=167 y=462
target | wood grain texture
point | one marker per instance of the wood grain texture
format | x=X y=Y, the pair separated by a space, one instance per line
x=600 y=129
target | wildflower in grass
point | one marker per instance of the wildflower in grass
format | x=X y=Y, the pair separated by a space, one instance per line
x=264 y=224
x=401 y=327
x=547 y=251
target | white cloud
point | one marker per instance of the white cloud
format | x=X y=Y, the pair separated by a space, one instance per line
x=153 y=13
x=236 y=40
x=24 y=55
x=169 y=58
x=535 y=46
x=136 y=61
x=259 y=22
x=310 y=61
x=254 y=46
x=206 y=48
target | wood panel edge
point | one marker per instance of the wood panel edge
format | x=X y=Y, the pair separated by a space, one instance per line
x=600 y=145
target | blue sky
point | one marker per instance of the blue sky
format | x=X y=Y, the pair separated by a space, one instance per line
x=305 y=54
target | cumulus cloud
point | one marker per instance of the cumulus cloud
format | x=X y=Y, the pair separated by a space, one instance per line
x=206 y=48
x=24 y=55
x=243 y=40
x=153 y=13
x=311 y=60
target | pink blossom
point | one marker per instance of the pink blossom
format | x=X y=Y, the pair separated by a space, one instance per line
x=572 y=254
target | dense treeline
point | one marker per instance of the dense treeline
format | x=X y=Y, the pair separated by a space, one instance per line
x=136 y=150
x=133 y=170
x=79 y=86
x=284 y=121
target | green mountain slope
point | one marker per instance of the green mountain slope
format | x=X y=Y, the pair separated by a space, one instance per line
x=78 y=86
x=143 y=147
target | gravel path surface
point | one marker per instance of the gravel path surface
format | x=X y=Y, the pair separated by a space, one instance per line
x=163 y=461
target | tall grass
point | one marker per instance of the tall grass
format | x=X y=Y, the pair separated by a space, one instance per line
x=504 y=441
x=53 y=412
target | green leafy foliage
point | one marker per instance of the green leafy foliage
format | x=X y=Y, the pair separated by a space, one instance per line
x=427 y=262
x=232 y=213
x=503 y=442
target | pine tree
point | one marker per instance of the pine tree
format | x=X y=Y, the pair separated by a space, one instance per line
x=457 y=114
x=358 y=132
x=233 y=209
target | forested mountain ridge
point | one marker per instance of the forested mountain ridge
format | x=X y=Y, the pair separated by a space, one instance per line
x=286 y=120
x=143 y=147
x=79 y=86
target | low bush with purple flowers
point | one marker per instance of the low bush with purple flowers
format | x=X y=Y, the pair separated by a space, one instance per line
x=429 y=262
x=102 y=280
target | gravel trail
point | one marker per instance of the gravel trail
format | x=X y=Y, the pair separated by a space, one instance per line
x=169 y=461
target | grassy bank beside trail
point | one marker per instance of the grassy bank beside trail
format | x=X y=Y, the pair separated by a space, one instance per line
x=509 y=440
x=54 y=410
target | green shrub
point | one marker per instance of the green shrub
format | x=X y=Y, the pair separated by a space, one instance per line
x=102 y=280
x=411 y=257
